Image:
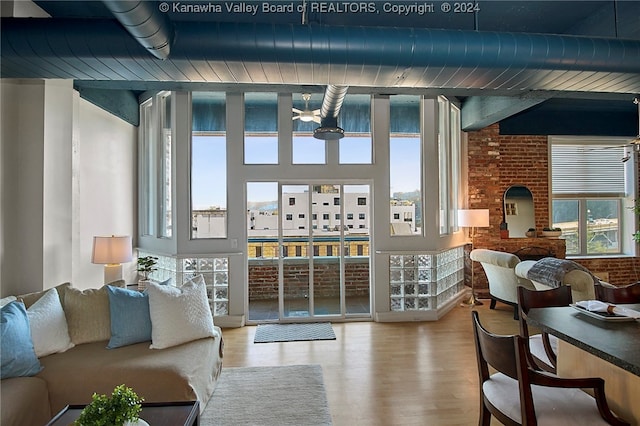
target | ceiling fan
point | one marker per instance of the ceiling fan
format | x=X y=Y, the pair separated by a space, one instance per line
x=635 y=143
x=306 y=115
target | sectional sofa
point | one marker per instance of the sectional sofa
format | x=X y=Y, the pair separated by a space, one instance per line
x=93 y=340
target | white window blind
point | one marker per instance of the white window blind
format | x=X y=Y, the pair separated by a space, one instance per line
x=587 y=169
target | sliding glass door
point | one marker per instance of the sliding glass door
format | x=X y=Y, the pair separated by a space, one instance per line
x=308 y=251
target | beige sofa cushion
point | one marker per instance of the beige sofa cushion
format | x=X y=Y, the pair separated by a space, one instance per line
x=181 y=373
x=25 y=402
x=87 y=313
x=31 y=298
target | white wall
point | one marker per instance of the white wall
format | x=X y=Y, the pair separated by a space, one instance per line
x=105 y=162
x=60 y=184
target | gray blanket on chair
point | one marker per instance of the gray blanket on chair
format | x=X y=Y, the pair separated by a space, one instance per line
x=550 y=271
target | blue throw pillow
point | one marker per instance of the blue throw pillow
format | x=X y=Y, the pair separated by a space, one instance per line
x=130 y=318
x=17 y=353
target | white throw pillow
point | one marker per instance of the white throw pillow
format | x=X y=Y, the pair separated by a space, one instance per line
x=179 y=315
x=48 y=325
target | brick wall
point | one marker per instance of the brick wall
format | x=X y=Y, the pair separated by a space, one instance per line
x=497 y=162
x=263 y=278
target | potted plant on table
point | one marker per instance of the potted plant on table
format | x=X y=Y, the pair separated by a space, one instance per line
x=122 y=408
x=146 y=265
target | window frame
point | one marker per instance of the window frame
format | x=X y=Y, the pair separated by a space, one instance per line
x=622 y=197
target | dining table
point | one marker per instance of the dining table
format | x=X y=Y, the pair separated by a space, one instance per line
x=598 y=345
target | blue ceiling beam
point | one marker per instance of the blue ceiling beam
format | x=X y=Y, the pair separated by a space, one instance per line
x=479 y=112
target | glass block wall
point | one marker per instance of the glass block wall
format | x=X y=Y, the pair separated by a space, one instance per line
x=214 y=270
x=421 y=282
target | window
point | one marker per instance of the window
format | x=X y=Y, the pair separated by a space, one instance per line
x=208 y=165
x=336 y=201
x=258 y=251
x=166 y=221
x=337 y=216
x=408 y=217
x=289 y=216
x=305 y=148
x=300 y=215
x=361 y=216
x=362 y=201
x=349 y=216
x=298 y=251
x=260 y=128
x=588 y=186
x=355 y=119
x=292 y=201
x=314 y=216
x=360 y=250
x=329 y=250
x=325 y=216
x=147 y=169
x=156 y=167
x=448 y=163
x=510 y=209
x=405 y=170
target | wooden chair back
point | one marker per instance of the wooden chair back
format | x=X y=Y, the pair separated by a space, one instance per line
x=509 y=355
x=627 y=294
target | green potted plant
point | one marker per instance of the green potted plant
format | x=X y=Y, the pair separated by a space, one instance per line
x=122 y=408
x=146 y=265
x=636 y=210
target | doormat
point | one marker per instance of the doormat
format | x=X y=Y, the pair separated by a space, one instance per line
x=266 y=333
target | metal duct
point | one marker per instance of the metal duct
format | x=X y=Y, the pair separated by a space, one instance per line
x=311 y=54
x=329 y=111
x=145 y=23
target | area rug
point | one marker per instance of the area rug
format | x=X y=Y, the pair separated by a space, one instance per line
x=266 y=333
x=269 y=396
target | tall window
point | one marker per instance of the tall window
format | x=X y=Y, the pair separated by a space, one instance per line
x=588 y=185
x=147 y=169
x=166 y=222
x=260 y=128
x=405 y=169
x=355 y=119
x=208 y=166
x=306 y=149
x=156 y=167
x=448 y=163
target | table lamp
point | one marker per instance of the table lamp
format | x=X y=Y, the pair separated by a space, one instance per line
x=473 y=218
x=112 y=252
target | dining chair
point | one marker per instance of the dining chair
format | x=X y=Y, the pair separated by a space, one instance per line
x=516 y=394
x=543 y=346
x=626 y=294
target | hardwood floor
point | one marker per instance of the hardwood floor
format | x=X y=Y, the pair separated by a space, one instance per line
x=388 y=373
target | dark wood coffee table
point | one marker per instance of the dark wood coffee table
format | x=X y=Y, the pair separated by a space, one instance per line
x=185 y=413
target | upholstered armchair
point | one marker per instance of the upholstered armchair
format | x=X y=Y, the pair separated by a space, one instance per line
x=499 y=267
x=582 y=282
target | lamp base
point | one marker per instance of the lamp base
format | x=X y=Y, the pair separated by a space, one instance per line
x=112 y=272
x=472 y=301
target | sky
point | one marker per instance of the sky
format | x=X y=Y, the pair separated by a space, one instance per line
x=209 y=164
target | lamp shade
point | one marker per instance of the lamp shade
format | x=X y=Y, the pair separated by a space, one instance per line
x=112 y=250
x=473 y=218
